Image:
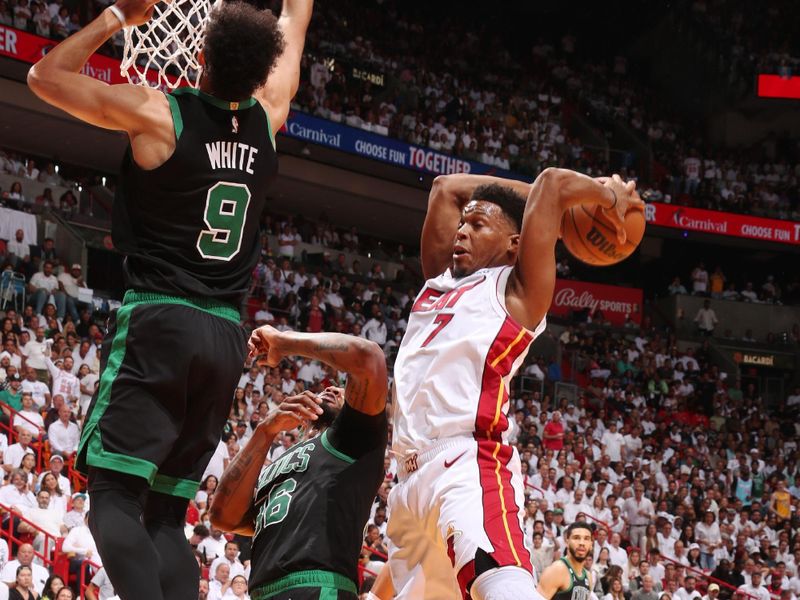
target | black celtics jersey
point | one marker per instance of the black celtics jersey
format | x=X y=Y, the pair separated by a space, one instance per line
x=579 y=586
x=190 y=227
x=312 y=504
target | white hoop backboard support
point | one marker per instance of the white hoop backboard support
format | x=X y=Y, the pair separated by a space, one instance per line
x=167 y=45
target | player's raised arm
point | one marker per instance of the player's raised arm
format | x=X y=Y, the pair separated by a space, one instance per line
x=231 y=508
x=530 y=291
x=57 y=78
x=446 y=201
x=362 y=360
x=284 y=80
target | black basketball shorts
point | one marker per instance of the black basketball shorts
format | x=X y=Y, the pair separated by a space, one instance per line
x=168 y=370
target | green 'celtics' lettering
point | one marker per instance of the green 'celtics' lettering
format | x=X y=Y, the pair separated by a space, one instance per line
x=294 y=461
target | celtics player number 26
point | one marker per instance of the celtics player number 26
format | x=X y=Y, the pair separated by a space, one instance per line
x=225 y=214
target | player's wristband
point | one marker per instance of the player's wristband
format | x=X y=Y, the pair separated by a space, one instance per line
x=371 y=596
x=118 y=13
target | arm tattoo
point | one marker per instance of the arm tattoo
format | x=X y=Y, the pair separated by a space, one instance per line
x=233 y=474
x=323 y=347
x=356 y=392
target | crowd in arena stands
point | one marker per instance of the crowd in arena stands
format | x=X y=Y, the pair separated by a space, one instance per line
x=716 y=285
x=513 y=117
x=733 y=32
x=56 y=19
x=27 y=169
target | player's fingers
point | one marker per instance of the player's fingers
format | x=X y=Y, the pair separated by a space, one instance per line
x=616 y=178
x=312 y=402
x=305 y=399
x=622 y=235
x=299 y=410
x=312 y=399
x=630 y=186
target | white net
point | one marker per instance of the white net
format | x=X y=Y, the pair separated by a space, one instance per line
x=162 y=53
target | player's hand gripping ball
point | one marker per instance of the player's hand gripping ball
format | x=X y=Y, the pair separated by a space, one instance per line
x=603 y=237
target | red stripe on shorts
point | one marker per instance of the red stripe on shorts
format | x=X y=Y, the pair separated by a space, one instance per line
x=500 y=510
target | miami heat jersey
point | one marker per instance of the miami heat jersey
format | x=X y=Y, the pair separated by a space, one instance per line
x=459 y=353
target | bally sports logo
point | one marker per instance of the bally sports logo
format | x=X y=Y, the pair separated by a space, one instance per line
x=618 y=304
x=571 y=299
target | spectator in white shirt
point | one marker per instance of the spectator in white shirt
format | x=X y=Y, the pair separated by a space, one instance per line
x=263 y=316
x=287 y=240
x=230 y=558
x=45 y=519
x=616 y=554
x=64 y=382
x=577 y=506
x=709 y=538
x=63 y=433
x=706 y=319
x=375 y=330
x=13 y=455
x=43 y=284
x=29 y=419
x=755 y=587
x=638 y=512
x=213 y=546
x=16 y=493
x=712 y=593
x=71 y=283
x=80 y=542
x=37 y=389
x=220 y=581
x=18 y=250
x=74 y=518
x=688 y=591
x=25 y=556
x=614 y=442
x=34 y=351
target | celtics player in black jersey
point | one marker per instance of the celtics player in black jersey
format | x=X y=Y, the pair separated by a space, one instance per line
x=567 y=579
x=307 y=510
x=189 y=198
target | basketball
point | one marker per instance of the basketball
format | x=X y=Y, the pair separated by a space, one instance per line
x=592 y=238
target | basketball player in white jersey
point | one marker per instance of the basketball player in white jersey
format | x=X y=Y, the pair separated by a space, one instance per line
x=488 y=251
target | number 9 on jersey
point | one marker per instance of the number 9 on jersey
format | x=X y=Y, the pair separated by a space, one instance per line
x=225 y=214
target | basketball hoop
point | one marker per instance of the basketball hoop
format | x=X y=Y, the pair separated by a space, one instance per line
x=167 y=45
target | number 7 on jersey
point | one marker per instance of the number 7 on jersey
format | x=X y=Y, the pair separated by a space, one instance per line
x=441 y=320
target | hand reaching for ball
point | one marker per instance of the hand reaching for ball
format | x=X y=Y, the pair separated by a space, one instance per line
x=626 y=199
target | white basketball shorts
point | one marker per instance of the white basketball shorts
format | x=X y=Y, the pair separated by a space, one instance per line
x=459 y=496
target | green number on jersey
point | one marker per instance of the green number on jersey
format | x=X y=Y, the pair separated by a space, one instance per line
x=226 y=209
x=278 y=504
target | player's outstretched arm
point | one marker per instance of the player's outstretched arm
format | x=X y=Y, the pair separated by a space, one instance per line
x=57 y=79
x=530 y=290
x=552 y=579
x=362 y=360
x=446 y=201
x=284 y=80
x=231 y=508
